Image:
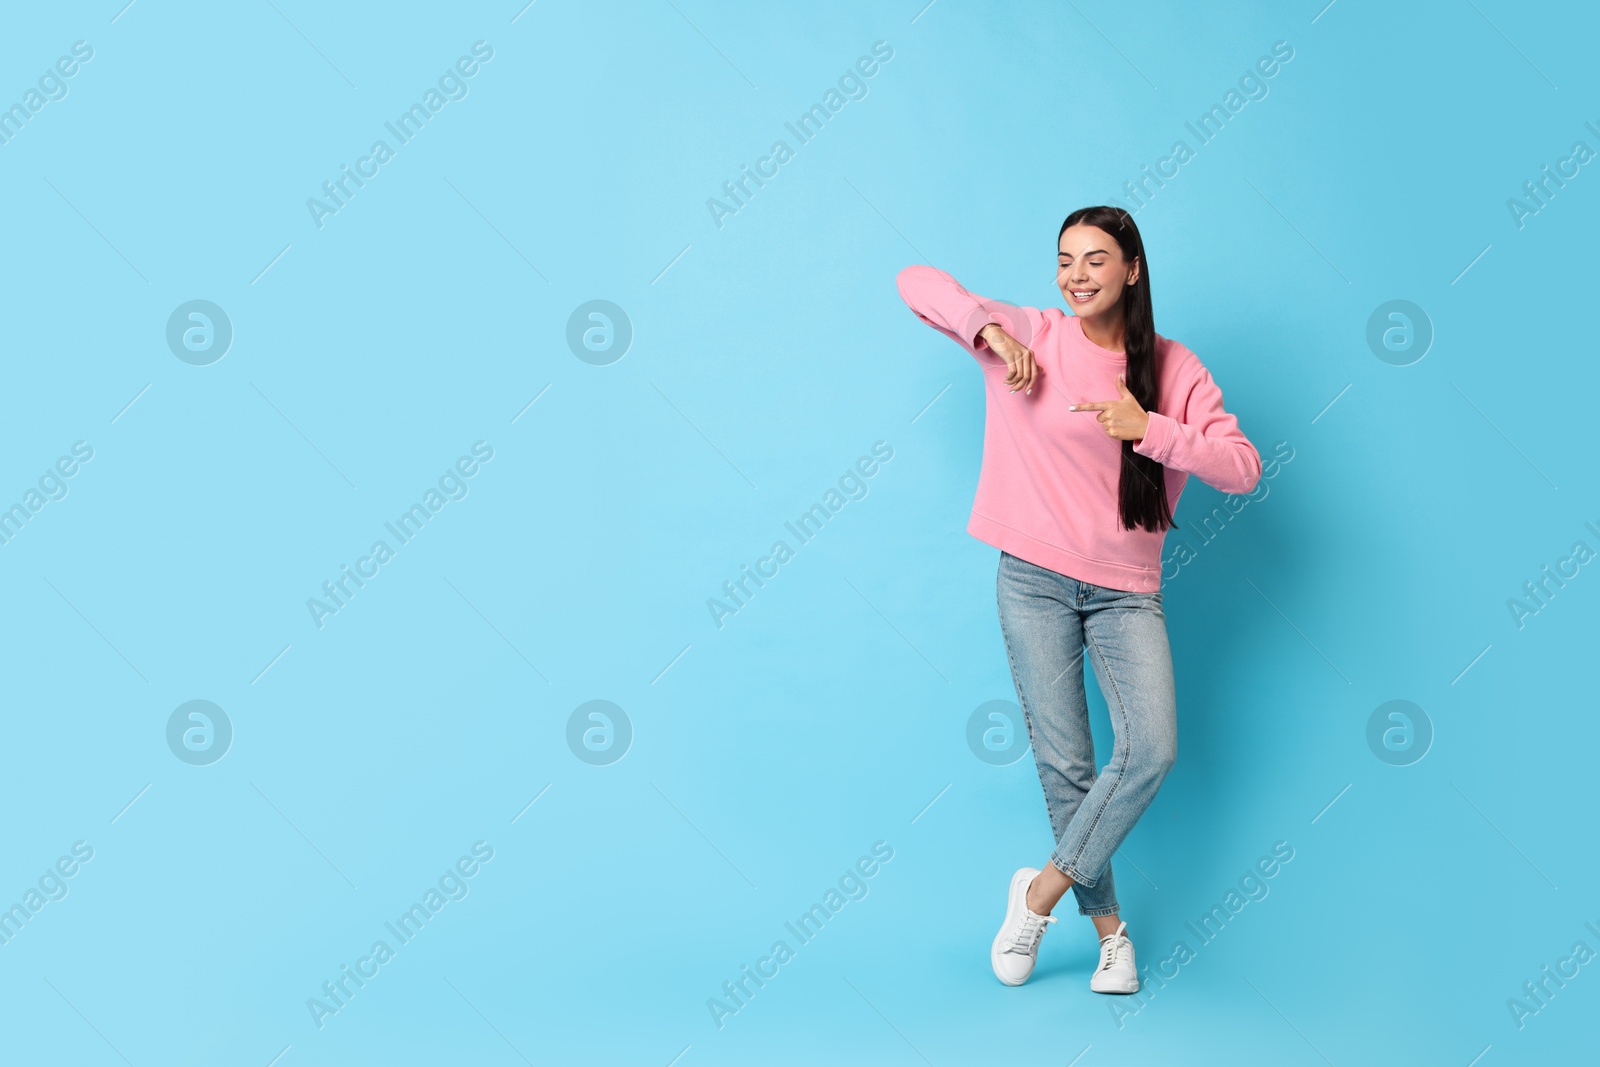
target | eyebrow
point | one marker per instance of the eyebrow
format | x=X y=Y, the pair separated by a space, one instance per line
x=1092 y=252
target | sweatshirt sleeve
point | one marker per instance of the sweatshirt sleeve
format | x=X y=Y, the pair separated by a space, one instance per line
x=939 y=300
x=1205 y=440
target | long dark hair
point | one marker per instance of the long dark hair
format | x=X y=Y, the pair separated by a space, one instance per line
x=1142 y=492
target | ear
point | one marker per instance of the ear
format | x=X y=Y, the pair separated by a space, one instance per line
x=1133 y=274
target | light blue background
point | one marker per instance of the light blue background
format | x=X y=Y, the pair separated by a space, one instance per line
x=769 y=354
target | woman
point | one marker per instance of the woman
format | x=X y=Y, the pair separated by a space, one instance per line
x=1093 y=424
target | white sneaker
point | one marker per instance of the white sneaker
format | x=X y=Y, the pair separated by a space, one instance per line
x=1016 y=946
x=1116 y=973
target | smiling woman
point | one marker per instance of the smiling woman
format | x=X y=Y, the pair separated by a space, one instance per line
x=1093 y=422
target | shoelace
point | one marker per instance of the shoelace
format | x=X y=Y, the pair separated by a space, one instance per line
x=1111 y=948
x=1026 y=939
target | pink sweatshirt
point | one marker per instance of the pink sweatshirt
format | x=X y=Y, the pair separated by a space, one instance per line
x=1047 y=491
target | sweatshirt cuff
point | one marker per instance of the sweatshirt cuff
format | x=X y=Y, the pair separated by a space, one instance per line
x=982 y=316
x=1157 y=437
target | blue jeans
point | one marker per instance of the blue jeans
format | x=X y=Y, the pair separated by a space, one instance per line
x=1048 y=621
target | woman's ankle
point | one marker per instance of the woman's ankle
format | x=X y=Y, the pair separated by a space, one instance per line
x=1106 y=925
x=1047 y=888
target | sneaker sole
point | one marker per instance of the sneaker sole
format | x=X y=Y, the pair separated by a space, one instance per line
x=1116 y=992
x=1012 y=902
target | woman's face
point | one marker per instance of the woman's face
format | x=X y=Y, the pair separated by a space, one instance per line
x=1090 y=270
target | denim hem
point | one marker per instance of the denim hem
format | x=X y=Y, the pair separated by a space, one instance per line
x=1087 y=883
x=1112 y=910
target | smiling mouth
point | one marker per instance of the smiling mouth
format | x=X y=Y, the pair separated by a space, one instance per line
x=1082 y=296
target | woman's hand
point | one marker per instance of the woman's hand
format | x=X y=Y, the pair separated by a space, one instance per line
x=1122 y=419
x=1022 y=371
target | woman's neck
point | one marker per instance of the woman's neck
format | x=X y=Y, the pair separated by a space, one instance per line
x=1109 y=335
